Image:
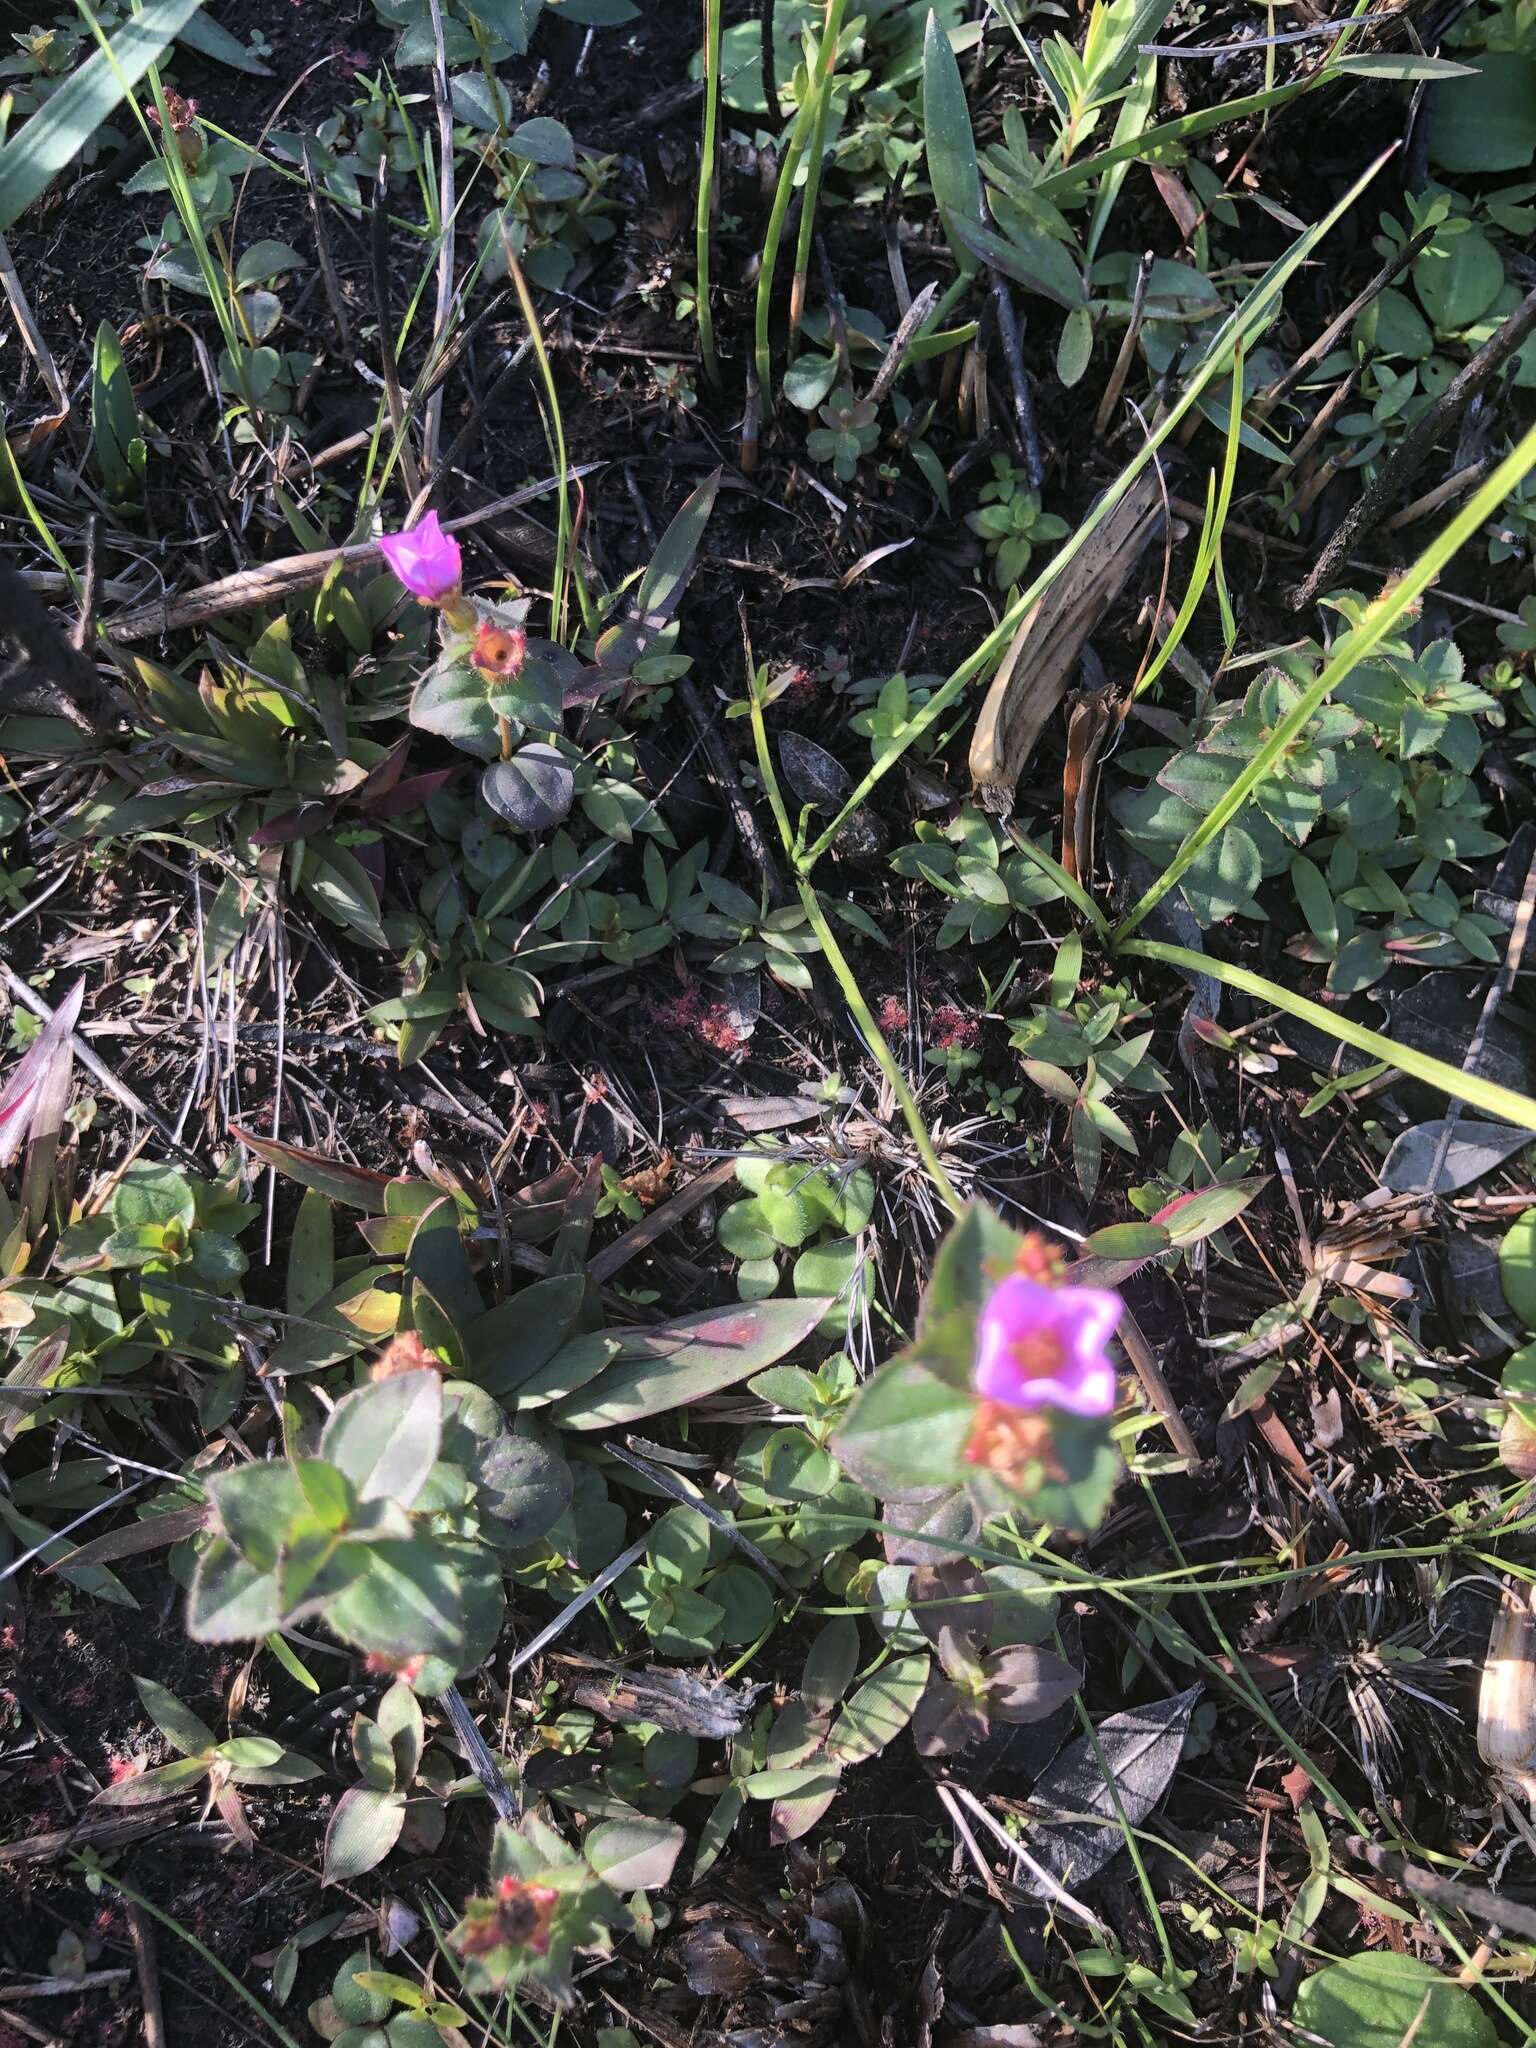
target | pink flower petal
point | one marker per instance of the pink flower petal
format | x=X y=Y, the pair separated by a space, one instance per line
x=1021 y=1316
x=426 y=560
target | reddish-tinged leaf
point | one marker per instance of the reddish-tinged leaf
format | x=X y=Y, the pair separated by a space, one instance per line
x=295 y=824
x=410 y=794
x=356 y=1187
x=39 y=1076
x=1189 y=1218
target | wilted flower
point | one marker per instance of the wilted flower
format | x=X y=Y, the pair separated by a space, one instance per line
x=517 y=1915
x=1043 y=1347
x=426 y=560
x=499 y=650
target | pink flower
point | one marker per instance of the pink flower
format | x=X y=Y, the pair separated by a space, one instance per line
x=426 y=560
x=1043 y=1347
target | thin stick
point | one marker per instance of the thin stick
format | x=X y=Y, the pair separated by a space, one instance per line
x=1431 y=501
x=328 y=275
x=432 y=421
x=142 y=1935
x=290 y=574
x=1503 y=981
x=379 y=249
x=1124 y=359
x=1265 y=403
x=481 y=1759
x=906 y=333
x=32 y=335
x=1414 y=448
x=1157 y=1390
x=1018 y=378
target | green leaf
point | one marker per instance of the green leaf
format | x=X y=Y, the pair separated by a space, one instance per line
x=637 y=1853
x=364 y=1826
x=830 y=1663
x=1457 y=278
x=1517 y=1267
x=663 y=584
x=408 y=1601
x=510 y=1343
x=905 y=1429
x=669 y=1364
x=543 y=141
x=1074 y=351
x=178 y=1724
x=948 y=140
x=385 y=1437
x=1035 y=261
x=1381 y=1999
x=231 y=1599
x=356 y=1313
x=210 y=39
x=311 y=1254
x=116 y=429
x=1189 y=1218
x=255 y=1504
x=62 y=126
x=879 y=1710
x=1483 y=123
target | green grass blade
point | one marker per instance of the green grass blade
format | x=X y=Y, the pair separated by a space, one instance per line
x=1240 y=330
x=704 y=215
x=1379 y=618
x=951 y=146
x=826 y=65
x=1069 y=885
x=1218 y=503
x=1488 y=1096
x=1165 y=143
x=58 y=131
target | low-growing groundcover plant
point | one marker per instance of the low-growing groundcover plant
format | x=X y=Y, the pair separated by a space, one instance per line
x=682 y=1359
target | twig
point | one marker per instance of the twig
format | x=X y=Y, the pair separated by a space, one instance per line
x=1414 y=449
x=142 y=1935
x=695 y=1497
x=90 y=592
x=765 y=14
x=289 y=574
x=481 y=1759
x=723 y=772
x=1450 y=1892
x=32 y=335
x=608 y=1261
x=1326 y=414
x=568 y=1613
x=1157 y=1390
x=1453 y=487
x=328 y=275
x=1266 y=401
x=431 y=426
x=378 y=241
x=1124 y=359
x=1274 y=544
x=1503 y=981
x=62 y=1987
x=906 y=333
x=1018 y=377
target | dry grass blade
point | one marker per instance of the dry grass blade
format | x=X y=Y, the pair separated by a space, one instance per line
x=1038 y=667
